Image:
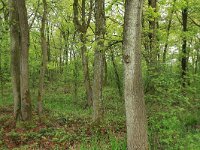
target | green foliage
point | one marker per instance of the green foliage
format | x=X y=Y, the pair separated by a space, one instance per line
x=171 y=122
x=173 y=111
x=14 y=135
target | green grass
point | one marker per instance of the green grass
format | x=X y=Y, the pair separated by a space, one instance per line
x=67 y=123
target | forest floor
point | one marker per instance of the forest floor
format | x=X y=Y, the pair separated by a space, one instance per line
x=67 y=124
x=63 y=125
x=56 y=132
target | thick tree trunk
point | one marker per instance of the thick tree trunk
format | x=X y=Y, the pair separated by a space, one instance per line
x=133 y=90
x=98 y=59
x=184 y=47
x=44 y=58
x=15 y=58
x=24 y=78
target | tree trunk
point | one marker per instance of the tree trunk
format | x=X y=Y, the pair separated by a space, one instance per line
x=197 y=63
x=105 y=73
x=153 y=36
x=15 y=58
x=152 y=47
x=168 y=32
x=44 y=58
x=24 y=78
x=98 y=59
x=48 y=42
x=133 y=91
x=1 y=74
x=116 y=74
x=82 y=27
x=75 y=73
x=184 y=47
x=86 y=69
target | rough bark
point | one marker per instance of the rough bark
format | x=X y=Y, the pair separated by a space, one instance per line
x=133 y=90
x=98 y=59
x=24 y=78
x=15 y=58
x=44 y=58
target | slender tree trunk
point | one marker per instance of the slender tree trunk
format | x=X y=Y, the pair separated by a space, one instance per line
x=197 y=62
x=24 y=78
x=82 y=27
x=75 y=73
x=105 y=75
x=86 y=69
x=116 y=74
x=15 y=58
x=98 y=59
x=133 y=90
x=152 y=47
x=1 y=74
x=48 y=43
x=65 y=35
x=153 y=36
x=168 y=32
x=44 y=58
x=184 y=47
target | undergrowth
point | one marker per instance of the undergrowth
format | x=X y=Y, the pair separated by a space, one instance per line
x=173 y=122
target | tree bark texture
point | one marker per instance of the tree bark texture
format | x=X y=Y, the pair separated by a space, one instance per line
x=133 y=90
x=19 y=59
x=24 y=79
x=98 y=59
x=15 y=58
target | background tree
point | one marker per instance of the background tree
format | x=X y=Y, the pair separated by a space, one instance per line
x=82 y=27
x=98 y=59
x=44 y=56
x=19 y=48
x=184 y=58
x=24 y=66
x=15 y=58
